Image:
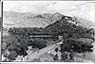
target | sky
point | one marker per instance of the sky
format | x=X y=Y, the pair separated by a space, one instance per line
x=49 y=0
x=0 y=9
x=72 y=8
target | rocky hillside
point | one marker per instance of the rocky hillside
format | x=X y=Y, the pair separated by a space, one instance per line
x=16 y=19
x=85 y=22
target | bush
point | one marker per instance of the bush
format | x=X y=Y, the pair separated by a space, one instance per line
x=76 y=45
x=39 y=43
x=12 y=55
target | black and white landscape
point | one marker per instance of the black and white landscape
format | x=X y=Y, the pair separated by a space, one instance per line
x=48 y=0
x=0 y=16
x=48 y=31
x=1 y=20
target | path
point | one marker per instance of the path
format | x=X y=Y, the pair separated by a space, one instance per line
x=42 y=51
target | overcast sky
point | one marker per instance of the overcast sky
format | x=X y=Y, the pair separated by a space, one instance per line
x=0 y=9
x=81 y=9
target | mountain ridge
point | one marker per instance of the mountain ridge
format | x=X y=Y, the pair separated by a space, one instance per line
x=38 y=20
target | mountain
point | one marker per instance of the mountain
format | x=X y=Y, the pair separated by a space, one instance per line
x=67 y=27
x=85 y=23
x=62 y=25
x=15 y=19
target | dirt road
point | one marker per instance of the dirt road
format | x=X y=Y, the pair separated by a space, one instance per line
x=42 y=51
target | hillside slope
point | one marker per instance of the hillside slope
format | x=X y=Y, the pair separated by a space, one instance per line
x=29 y=19
x=16 y=19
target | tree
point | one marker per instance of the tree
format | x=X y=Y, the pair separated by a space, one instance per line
x=64 y=56
x=55 y=57
x=12 y=55
x=39 y=43
x=76 y=45
x=56 y=49
x=76 y=32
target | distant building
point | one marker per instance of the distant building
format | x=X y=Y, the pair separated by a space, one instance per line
x=44 y=36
